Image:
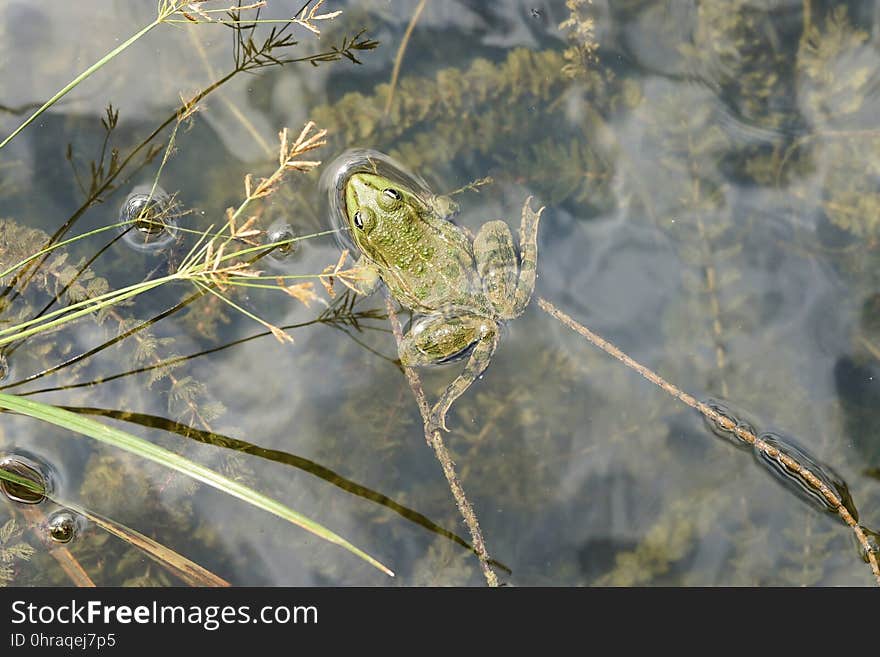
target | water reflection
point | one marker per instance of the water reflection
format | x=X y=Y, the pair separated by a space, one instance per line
x=286 y=458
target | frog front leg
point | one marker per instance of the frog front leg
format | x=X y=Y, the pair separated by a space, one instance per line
x=367 y=277
x=439 y=338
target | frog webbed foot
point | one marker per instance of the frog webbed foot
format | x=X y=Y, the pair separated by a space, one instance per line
x=436 y=420
x=436 y=339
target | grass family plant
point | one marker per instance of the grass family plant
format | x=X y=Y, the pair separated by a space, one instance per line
x=223 y=256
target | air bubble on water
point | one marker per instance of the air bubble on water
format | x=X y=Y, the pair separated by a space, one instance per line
x=63 y=526
x=31 y=470
x=735 y=419
x=279 y=231
x=362 y=160
x=152 y=217
x=795 y=482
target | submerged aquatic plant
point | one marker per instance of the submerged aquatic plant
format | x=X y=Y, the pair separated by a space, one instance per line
x=11 y=550
x=214 y=263
x=581 y=56
x=211 y=269
x=728 y=111
x=166 y=10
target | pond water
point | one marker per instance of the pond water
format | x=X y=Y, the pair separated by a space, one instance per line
x=711 y=178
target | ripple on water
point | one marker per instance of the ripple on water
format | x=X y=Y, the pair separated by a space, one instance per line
x=737 y=419
x=282 y=255
x=31 y=468
x=362 y=160
x=795 y=482
x=873 y=543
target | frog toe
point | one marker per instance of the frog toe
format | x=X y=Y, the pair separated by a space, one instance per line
x=436 y=421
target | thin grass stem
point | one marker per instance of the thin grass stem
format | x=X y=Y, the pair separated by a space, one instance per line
x=398 y=59
x=82 y=76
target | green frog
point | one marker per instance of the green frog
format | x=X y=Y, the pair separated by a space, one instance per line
x=465 y=286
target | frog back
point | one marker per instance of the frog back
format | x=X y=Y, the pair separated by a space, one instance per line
x=432 y=266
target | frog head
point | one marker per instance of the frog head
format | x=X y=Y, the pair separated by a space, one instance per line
x=380 y=213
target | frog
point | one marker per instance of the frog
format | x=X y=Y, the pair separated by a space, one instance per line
x=461 y=287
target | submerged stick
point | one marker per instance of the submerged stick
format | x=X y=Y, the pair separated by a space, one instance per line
x=398 y=60
x=831 y=497
x=435 y=440
x=177 y=564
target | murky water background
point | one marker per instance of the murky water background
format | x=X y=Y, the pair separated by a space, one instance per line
x=711 y=183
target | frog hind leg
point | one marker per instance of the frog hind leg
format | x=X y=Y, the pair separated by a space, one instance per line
x=508 y=284
x=528 y=257
x=496 y=266
x=438 y=338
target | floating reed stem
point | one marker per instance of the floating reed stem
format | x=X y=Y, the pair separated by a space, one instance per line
x=435 y=440
x=832 y=498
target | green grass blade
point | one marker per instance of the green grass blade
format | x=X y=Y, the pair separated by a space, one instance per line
x=77 y=310
x=79 y=78
x=24 y=482
x=187 y=570
x=58 y=245
x=148 y=450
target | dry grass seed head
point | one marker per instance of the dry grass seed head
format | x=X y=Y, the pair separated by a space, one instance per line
x=302 y=292
x=346 y=276
x=310 y=15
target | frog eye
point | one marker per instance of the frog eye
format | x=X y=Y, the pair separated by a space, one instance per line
x=358 y=220
x=392 y=193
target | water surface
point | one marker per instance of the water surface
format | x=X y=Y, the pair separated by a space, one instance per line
x=712 y=185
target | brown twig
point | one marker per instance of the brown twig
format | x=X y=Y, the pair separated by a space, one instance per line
x=188 y=571
x=435 y=440
x=727 y=424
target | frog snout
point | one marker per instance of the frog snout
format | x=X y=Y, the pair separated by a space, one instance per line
x=359 y=191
